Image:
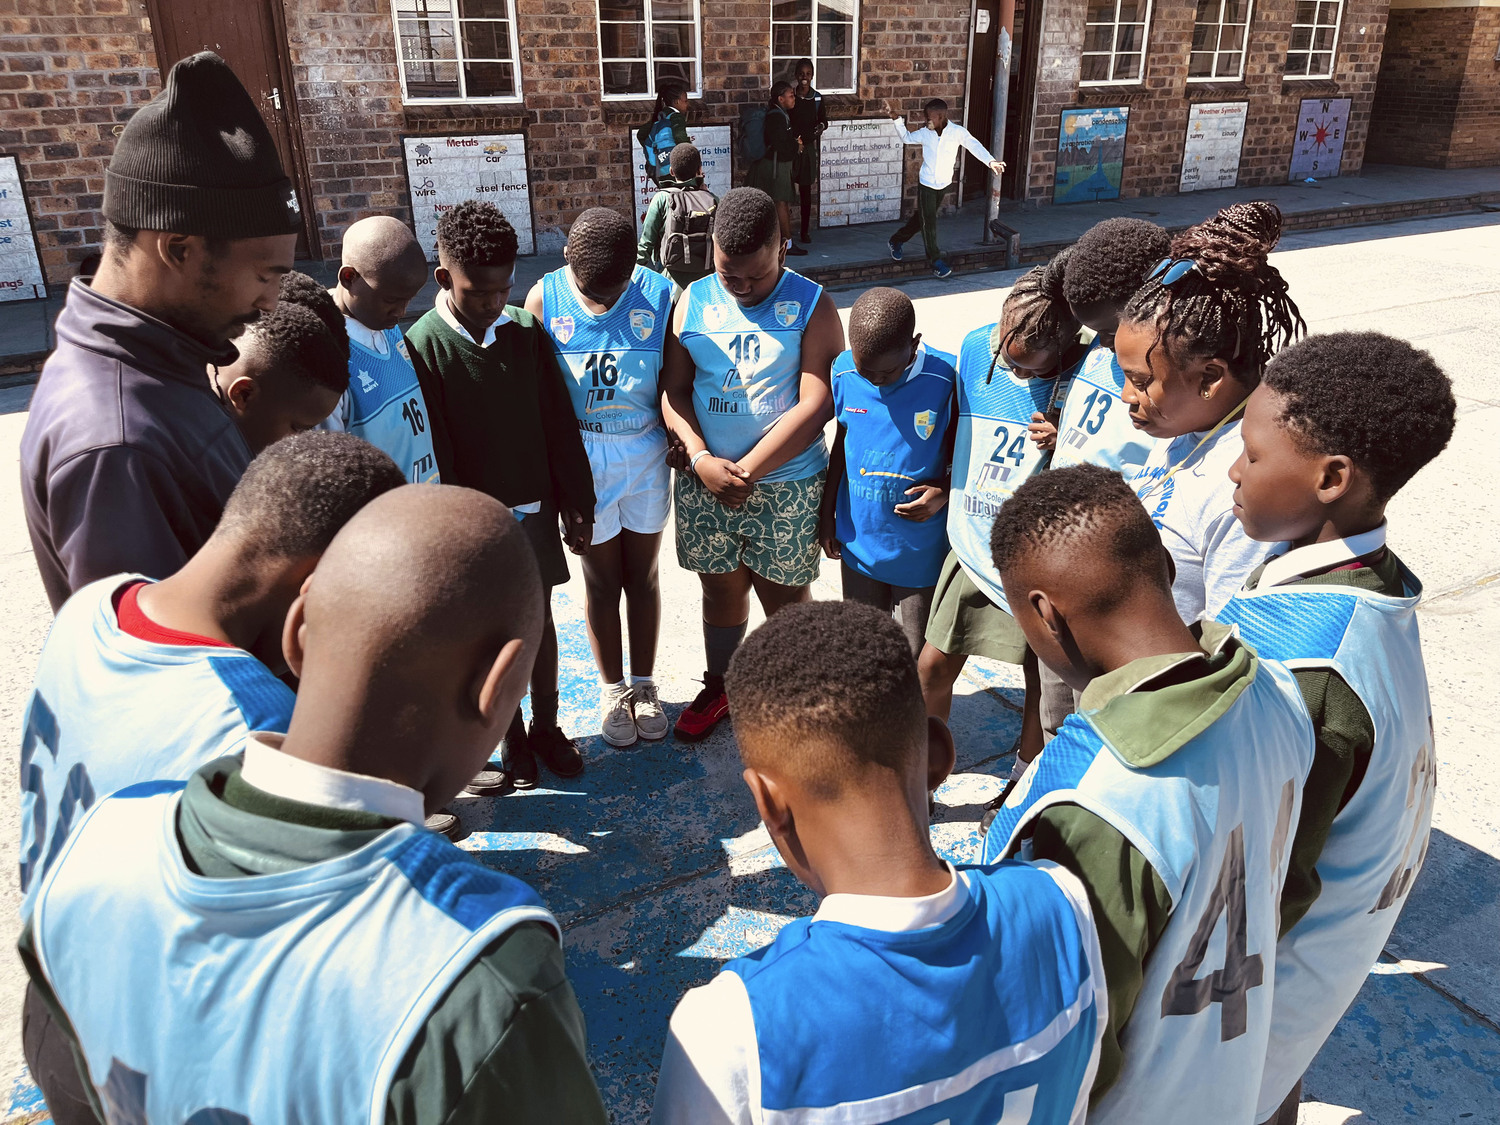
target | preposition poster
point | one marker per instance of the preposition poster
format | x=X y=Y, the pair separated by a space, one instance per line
x=1318 y=147
x=860 y=165
x=1090 y=154
x=1211 y=151
x=20 y=264
x=445 y=171
x=716 y=148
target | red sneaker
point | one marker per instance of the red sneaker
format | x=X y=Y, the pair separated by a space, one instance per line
x=707 y=710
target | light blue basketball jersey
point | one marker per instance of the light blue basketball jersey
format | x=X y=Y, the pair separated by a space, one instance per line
x=286 y=997
x=994 y=453
x=109 y=710
x=613 y=360
x=1379 y=839
x=387 y=409
x=894 y=437
x=992 y=1016
x=1214 y=820
x=749 y=366
x=1095 y=428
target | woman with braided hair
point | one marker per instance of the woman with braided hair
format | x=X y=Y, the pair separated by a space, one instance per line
x=1193 y=342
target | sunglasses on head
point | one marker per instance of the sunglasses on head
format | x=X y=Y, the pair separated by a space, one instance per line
x=1169 y=271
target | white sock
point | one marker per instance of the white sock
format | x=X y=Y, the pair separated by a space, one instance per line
x=609 y=686
x=641 y=680
x=1018 y=768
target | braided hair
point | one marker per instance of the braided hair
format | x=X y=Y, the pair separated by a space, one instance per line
x=1234 y=306
x=1036 y=316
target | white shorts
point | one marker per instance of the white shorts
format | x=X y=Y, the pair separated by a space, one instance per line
x=632 y=484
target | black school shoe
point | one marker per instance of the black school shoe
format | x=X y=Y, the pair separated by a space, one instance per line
x=516 y=756
x=446 y=824
x=556 y=751
x=488 y=782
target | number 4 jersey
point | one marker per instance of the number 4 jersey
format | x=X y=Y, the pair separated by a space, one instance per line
x=386 y=408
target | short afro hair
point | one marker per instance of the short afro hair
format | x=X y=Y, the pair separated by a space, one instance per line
x=1109 y=263
x=1379 y=401
x=882 y=320
x=475 y=235
x=299 y=491
x=830 y=690
x=935 y=103
x=601 y=248
x=304 y=336
x=685 y=162
x=300 y=289
x=1075 y=511
x=745 y=221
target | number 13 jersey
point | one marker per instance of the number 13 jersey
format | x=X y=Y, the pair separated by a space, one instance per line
x=386 y=407
x=1095 y=428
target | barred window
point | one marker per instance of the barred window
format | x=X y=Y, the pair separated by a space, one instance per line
x=457 y=50
x=1315 y=38
x=1114 y=41
x=1220 y=30
x=825 y=31
x=643 y=43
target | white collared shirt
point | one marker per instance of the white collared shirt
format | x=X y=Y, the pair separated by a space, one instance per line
x=1318 y=557
x=940 y=150
x=444 y=307
x=281 y=775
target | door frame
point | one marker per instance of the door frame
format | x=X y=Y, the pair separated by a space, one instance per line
x=1030 y=53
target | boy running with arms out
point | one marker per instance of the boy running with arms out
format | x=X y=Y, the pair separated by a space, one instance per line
x=608 y=320
x=745 y=389
x=919 y=991
x=1338 y=425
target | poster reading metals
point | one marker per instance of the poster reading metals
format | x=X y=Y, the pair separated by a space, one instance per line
x=1211 y=150
x=20 y=267
x=445 y=171
x=713 y=145
x=859 y=172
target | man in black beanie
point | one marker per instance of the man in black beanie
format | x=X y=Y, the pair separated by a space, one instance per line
x=128 y=457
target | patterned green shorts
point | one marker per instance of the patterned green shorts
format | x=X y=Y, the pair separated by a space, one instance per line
x=775 y=533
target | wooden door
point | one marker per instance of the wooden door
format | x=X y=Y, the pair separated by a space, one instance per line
x=1020 y=110
x=979 y=99
x=250 y=37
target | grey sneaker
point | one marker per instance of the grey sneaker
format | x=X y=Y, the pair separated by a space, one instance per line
x=650 y=719
x=615 y=721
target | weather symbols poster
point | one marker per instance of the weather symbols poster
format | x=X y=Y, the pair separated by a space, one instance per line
x=1090 y=154
x=1318 y=147
x=445 y=171
x=1211 y=150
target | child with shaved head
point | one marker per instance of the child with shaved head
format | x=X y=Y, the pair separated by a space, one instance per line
x=969 y=994
x=177 y=935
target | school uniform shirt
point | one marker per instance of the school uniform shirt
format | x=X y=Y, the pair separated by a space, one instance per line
x=977 y=1004
x=179 y=928
x=384 y=403
x=1185 y=486
x=894 y=438
x=1174 y=802
x=1094 y=427
x=940 y=150
x=118 y=701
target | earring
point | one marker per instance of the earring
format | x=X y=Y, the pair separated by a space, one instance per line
x=1208 y=394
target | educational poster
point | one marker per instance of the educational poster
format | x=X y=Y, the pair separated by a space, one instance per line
x=716 y=148
x=860 y=165
x=1090 y=154
x=1211 y=151
x=1318 y=146
x=20 y=264
x=445 y=171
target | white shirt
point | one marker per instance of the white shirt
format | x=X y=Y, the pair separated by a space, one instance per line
x=711 y=1060
x=940 y=150
x=281 y=775
x=1318 y=557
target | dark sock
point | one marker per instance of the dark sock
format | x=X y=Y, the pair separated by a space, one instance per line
x=543 y=710
x=719 y=643
x=517 y=728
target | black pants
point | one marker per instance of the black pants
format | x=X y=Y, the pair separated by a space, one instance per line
x=911 y=604
x=806 y=199
x=53 y=1068
x=924 y=219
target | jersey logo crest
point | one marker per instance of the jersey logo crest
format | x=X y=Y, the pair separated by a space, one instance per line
x=366 y=384
x=787 y=312
x=925 y=423
x=715 y=316
x=401 y=349
x=562 y=329
x=642 y=323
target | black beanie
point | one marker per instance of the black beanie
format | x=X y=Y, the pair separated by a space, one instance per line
x=198 y=159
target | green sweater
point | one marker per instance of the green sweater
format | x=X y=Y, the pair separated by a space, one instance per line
x=506 y=1042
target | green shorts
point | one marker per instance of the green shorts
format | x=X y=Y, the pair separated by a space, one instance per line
x=775 y=532
x=774 y=177
x=964 y=620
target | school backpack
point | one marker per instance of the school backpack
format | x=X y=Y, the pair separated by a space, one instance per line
x=658 y=146
x=687 y=240
x=753 y=133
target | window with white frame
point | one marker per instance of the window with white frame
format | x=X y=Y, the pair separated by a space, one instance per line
x=1315 y=38
x=457 y=50
x=1220 y=30
x=825 y=31
x=643 y=43
x=1114 y=41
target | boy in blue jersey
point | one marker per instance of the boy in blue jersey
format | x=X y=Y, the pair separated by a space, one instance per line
x=888 y=471
x=1171 y=793
x=176 y=936
x=1337 y=426
x=608 y=321
x=745 y=391
x=919 y=991
x=383 y=268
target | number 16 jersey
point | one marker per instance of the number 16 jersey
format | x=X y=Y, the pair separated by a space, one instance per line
x=386 y=407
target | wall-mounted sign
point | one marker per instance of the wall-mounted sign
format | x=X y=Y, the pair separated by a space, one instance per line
x=1090 y=154
x=1211 y=150
x=716 y=148
x=445 y=171
x=981 y=21
x=859 y=170
x=20 y=264
x=1318 y=145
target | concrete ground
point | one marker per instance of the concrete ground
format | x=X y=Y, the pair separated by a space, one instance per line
x=654 y=859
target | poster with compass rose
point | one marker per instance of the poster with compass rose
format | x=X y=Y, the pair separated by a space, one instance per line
x=1318 y=146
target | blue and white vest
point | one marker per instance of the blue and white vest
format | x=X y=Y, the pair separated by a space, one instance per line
x=1378 y=841
x=387 y=409
x=612 y=360
x=1214 y=820
x=993 y=454
x=749 y=367
x=1095 y=427
x=992 y=1016
x=287 y=997
x=109 y=710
